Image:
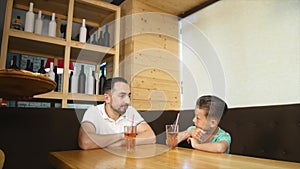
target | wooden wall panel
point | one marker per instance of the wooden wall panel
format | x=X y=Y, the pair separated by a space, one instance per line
x=155 y=105
x=158 y=95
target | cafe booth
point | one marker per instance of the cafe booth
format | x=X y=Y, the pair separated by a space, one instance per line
x=55 y=56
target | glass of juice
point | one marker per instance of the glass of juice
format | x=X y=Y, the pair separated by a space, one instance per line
x=130 y=135
x=172 y=135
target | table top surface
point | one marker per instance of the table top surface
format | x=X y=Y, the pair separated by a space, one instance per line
x=159 y=156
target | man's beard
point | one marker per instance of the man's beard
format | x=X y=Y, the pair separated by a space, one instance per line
x=121 y=112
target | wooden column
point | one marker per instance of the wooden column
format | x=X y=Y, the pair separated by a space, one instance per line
x=150 y=56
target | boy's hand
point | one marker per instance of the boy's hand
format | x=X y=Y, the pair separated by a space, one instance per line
x=192 y=141
x=197 y=133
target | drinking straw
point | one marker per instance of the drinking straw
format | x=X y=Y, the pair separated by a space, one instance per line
x=176 y=121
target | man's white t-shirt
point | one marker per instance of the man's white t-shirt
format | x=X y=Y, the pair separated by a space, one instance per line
x=97 y=116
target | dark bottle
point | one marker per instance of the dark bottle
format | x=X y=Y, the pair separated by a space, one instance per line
x=81 y=80
x=70 y=81
x=28 y=65
x=94 y=40
x=13 y=64
x=95 y=81
x=106 y=37
x=100 y=40
x=101 y=82
x=42 y=68
x=17 y=23
x=56 y=78
x=31 y=67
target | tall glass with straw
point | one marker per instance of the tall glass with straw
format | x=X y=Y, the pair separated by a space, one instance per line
x=172 y=133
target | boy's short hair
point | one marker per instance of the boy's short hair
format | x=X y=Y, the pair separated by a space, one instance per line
x=109 y=83
x=214 y=107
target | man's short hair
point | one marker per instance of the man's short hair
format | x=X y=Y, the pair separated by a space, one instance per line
x=110 y=83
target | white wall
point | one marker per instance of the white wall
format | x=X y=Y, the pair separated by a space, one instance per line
x=258 y=45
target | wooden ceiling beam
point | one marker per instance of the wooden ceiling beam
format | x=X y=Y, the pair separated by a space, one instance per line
x=197 y=8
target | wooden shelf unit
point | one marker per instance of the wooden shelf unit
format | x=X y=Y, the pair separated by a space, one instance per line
x=97 y=13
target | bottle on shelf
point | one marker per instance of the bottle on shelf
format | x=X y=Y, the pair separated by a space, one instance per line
x=51 y=72
x=29 y=19
x=74 y=81
x=56 y=78
x=94 y=39
x=42 y=68
x=96 y=83
x=16 y=23
x=38 y=24
x=100 y=40
x=90 y=82
x=70 y=81
x=52 y=26
x=27 y=65
x=31 y=67
x=13 y=63
x=101 y=81
x=106 y=37
x=81 y=80
x=82 y=33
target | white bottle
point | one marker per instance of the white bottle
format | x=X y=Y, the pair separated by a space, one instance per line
x=90 y=82
x=74 y=82
x=82 y=34
x=51 y=72
x=29 y=20
x=38 y=24
x=52 y=26
x=97 y=82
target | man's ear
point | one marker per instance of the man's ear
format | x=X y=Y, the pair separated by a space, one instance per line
x=106 y=98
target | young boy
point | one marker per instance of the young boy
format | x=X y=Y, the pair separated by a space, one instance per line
x=205 y=135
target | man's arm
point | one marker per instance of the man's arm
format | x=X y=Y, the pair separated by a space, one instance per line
x=145 y=134
x=88 y=139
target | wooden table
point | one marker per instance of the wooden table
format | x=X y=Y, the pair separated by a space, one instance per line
x=158 y=156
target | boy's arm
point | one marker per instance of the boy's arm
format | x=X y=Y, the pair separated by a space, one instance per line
x=217 y=147
x=184 y=135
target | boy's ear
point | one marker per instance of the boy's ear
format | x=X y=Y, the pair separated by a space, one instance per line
x=213 y=123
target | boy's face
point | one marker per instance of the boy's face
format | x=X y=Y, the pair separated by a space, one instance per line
x=200 y=119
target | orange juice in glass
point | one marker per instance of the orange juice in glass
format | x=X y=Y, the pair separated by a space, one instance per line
x=130 y=135
x=172 y=135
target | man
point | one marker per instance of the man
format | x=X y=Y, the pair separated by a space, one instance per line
x=103 y=125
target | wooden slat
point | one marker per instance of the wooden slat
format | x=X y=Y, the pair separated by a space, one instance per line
x=155 y=105
x=154 y=84
x=154 y=95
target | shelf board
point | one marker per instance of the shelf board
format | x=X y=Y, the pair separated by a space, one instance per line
x=50 y=95
x=36 y=45
x=89 y=10
x=84 y=97
x=89 y=53
x=70 y=96
x=59 y=7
